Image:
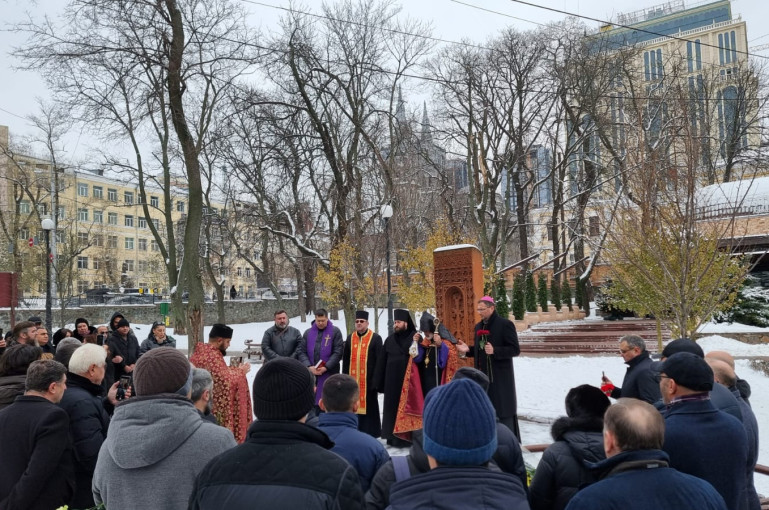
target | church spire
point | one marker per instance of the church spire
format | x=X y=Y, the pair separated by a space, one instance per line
x=400 y=109
x=427 y=131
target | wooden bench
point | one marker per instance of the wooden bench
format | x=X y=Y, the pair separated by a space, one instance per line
x=253 y=349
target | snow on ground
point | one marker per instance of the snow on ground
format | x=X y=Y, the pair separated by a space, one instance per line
x=542 y=382
x=713 y=328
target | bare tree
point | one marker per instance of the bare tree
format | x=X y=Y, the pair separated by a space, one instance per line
x=149 y=72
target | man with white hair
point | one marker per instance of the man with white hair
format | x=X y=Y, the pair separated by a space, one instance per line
x=89 y=414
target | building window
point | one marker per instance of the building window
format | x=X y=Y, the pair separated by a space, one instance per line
x=154 y=245
x=180 y=206
x=98 y=216
x=156 y=223
x=82 y=237
x=112 y=195
x=129 y=243
x=128 y=197
x=42 y=209
x=82 y=189
x=112 y=242
x=239 y=271
x=96 y=265
x=593 y=226
x=60 y=238
x=98 y=192
x=142 y=222
x=694 y=55
x=82 y=262
x=60 y=213
x=82 y=214
x=128 y=265
x=98 y=240
x=24 y=234
x=154 y=202
x=24 y=207
x=143 y=267
x=727 y=47
x=248 y=272
x=142 y=244
x=653 y=68
x=129 y=220
x=82 y=286
x=112 y=218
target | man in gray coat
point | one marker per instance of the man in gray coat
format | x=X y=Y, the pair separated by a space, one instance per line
x=281 y=340
x=157 y=443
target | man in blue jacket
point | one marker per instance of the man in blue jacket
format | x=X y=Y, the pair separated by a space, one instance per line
x=701 y=440
x=460 y=437
x=636 y=474
x=340 y=403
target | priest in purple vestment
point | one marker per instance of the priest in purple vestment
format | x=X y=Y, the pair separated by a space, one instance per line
x=320 y=349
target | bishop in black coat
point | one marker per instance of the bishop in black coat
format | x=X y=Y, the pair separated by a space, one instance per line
x=499 y=365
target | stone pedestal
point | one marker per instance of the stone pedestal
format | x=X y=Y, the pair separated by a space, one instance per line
x=458 y=272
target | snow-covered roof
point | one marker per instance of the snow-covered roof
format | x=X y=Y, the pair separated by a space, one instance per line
x=454 y=247
x=734 y=193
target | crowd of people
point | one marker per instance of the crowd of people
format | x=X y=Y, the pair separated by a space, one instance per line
x=92 y=417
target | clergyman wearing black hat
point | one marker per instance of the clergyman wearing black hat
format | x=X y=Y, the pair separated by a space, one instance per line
x=701 y=440
x=284 y=463
x=231 y=401
x=360 y=359
x=395 y=361
x=459 y=455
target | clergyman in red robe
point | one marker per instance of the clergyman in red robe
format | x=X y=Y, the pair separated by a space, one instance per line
x=232 y=400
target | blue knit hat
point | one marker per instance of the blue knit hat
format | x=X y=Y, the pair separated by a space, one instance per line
x=460 y=425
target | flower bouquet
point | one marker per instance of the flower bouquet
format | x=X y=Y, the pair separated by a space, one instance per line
x=483 y=339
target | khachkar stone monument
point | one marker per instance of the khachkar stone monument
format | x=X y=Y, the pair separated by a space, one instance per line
x=458 y=274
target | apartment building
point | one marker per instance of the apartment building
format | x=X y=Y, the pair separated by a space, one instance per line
x=103 y=237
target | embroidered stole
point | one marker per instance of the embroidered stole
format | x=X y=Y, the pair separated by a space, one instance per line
x=358 y=365
x=409 y=416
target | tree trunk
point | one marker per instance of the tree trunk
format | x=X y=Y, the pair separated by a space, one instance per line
x=190 y=269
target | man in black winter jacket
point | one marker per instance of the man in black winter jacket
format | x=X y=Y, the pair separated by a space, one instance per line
x=639 y=379
x=283 y=463
x=35 y=446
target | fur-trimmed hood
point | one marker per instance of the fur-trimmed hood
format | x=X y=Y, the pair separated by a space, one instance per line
x=566 y=424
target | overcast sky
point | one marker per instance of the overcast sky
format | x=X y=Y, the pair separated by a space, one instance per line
x=451 y=20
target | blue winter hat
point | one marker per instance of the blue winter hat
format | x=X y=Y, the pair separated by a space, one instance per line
x=460 y=425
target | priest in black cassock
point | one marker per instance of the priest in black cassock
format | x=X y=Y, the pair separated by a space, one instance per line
x=395 y=359
x=433 y=354
x=364 y=361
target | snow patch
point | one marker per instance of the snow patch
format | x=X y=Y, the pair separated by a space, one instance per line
x=454 y=247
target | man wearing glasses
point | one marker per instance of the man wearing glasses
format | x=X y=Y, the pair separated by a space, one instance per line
x=639 y=381
x=362 y=359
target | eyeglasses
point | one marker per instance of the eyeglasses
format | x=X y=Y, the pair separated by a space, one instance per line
x=360 y=321
x=659 y=377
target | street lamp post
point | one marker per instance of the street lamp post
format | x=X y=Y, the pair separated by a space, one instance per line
x=47 y=225
x=387 y=213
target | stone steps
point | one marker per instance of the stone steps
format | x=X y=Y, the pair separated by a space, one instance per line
x=592 y=336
